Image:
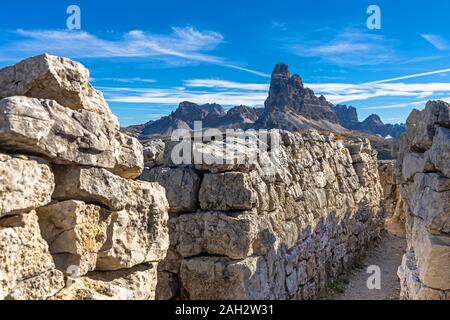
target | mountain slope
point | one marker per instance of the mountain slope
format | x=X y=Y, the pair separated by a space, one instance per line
x=290 y=106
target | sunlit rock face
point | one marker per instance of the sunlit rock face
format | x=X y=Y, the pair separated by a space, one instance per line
x=280 y=227
x=74 y=224
x=423 y=169
x=292 y=106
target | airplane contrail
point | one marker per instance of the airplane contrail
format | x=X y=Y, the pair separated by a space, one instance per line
x=408 y=77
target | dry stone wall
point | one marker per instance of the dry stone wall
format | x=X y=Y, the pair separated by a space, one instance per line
x=73 y=222
x=423 y=169
x=76 y=223
x=393 y=204
x=246 y=231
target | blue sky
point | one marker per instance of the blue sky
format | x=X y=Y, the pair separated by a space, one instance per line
x=147 y=56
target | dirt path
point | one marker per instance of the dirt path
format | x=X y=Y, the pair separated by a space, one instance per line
x=387 y=255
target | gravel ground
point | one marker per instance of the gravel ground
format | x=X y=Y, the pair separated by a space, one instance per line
x=387 y=254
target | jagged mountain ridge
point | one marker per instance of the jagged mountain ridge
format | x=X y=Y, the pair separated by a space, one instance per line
x=211 y=115
x=290 y=106
x=348 y=118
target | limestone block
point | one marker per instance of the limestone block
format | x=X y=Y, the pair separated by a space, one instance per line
x=25 y=184
x=227 y=191
x=181 y=184
x=27 y=270
x=75 y=232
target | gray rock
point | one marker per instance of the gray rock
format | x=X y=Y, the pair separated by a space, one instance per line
x=227 y=191
x=65 y=136
x=181 y=184
x=440 y=151
x=26 y=267
x=25 y=184
x=153 y=153
x=214 y=233
x=54 y=78
x=139 y=233
x=423 y=157
x=92 y=185
x=167 y=286
x=137 y=283
x=212 y=278
x=75 y=232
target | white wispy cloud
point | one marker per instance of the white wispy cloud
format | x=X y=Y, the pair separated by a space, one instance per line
x=254 y=94
x=124 y=80
x=413 y=104
x=341 y=93
x=437 y=41
x=351 y=47
x=338 y=92
x=224 y=84
x=277 y=25
x=410 y=76
x=186 y=44
x=175 y=95
x=182 y=42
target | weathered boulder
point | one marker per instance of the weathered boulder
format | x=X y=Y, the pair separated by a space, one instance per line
x=181 y=184
x=130 y=158
x=423 y=168
x=393 y=203
x=414 y=163
x=153 y=153
x=25 y=184
x=167 y=286
x=421 y=128
x=440 y=151
x=412 y=287
x=221 y=278
x=139 y=233
x=227 y=191
x=432 y=255
x=66 y=136
x=234 y=154
x=74 y=213
x=27 y=270
x=429 y=201
x=55 y=78
x=215 y=234
x=92 y=185
x=75 y=232
x=137 y=283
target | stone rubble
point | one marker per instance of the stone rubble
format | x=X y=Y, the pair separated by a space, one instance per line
x=73 y=222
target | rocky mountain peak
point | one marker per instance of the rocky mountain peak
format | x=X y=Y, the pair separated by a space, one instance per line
x=281 y=70
x=289 y=106
x=214 y=108
x=347 y=116
x=283 y=86
x=374 y=119
x=288 y=95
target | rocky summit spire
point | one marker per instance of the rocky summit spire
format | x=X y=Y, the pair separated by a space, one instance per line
x=283 y=87
x=288 y=95
x=281 y=79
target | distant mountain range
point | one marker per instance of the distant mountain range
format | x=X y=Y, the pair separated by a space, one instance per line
x=348 y=118
x=289 y=106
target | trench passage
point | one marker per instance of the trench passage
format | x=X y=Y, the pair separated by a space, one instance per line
x=387 y=254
